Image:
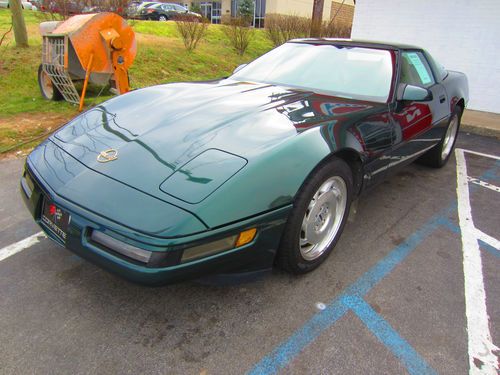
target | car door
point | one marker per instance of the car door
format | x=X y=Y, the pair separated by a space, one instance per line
x=168 y=10
x=179 y=10
x=420 y=123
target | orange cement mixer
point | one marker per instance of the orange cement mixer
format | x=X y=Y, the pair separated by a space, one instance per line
x=89 y=47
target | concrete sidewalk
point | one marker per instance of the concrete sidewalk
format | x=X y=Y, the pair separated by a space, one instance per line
x=483 y=123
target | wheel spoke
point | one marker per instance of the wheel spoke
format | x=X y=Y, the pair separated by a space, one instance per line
x=303 y=242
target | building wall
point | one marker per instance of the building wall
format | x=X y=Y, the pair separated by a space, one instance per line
x=343 y=13
x=462 y=35
x=226 y=8
x=302 y=8
x=343 y=10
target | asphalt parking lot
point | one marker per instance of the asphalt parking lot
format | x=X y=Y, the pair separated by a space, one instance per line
x=391 y=299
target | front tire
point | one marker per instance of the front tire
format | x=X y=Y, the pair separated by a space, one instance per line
x=438 y=156
x=162 y=18
x=317 y=219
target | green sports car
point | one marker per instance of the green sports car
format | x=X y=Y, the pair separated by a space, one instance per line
x=240 y=174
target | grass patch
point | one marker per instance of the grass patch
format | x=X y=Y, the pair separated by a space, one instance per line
x=161 y=58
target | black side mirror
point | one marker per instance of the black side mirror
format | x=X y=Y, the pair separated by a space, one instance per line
x=413 y=93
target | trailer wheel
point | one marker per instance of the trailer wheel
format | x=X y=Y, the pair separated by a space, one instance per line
x=47 y=88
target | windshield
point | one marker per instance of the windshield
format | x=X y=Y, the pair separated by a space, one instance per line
x=352 y=72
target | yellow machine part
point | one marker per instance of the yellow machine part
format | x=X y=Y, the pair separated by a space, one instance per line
x=89 y=35
x=103 y=43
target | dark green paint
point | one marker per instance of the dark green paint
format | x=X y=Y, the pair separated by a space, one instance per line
x=201 y=161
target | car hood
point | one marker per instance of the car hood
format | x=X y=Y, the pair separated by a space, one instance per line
x=194 y=129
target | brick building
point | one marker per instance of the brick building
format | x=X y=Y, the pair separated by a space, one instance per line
x=343 y=10
x=343 y=13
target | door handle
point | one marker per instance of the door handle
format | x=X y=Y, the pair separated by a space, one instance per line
x=442 y=98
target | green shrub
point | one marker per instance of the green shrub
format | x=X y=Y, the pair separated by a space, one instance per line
x=281 y=28
x=239 y=33
x=332 y=29
x=191 y=29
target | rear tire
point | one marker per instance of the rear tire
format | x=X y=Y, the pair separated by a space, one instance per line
x=438 y=156
x=47 y=88
x=317 y=219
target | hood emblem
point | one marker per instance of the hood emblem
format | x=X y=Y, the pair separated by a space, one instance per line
x=107 y=155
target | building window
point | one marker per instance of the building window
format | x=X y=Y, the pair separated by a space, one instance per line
x=259 y=13
x=211 y=11
x=216 y=12
x=234 y=8
x=259 y=7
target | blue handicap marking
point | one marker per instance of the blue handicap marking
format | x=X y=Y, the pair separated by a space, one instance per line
x=336 y=309
x=351 y=299
x=388 y=336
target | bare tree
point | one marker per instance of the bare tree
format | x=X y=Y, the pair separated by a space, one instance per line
x=239 y=33
x=20 y=33
x=191 y=29
x=334 y=29
x=5 y=34
x=281 y=28
x=57 y=9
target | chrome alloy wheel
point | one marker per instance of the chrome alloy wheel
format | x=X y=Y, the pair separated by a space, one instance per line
x=323 y=218
x=449 y=138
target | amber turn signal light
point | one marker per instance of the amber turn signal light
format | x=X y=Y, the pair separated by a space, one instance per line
x=246 y=237
x=218 y=246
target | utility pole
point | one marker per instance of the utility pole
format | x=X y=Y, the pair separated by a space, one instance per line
x=317 y=18
x=20 y=33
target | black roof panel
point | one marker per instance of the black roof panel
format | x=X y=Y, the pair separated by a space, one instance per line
x=357 y=43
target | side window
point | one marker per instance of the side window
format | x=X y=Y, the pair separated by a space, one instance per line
x=415 y=70
x=439 y=70
x=167 y=7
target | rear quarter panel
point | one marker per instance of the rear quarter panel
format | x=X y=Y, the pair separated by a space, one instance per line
x=457 y=88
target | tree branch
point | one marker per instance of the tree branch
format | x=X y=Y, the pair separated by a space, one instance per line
x=5 y=34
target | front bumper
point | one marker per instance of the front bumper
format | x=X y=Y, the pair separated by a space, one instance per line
x=165 y=265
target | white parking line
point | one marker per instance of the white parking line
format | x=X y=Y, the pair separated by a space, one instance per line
x=21 y=245
x=482 y=359
x=481 y=154
x=484 y=184
x=488 y=239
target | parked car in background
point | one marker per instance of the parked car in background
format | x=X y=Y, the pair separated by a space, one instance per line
x=65 y=8
x=106 y=8
x=38 y=4
x=131 y=10
x=25 y=4
x=140 y=6
x=165 y=12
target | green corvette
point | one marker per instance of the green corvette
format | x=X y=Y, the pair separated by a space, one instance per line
x=236 y=175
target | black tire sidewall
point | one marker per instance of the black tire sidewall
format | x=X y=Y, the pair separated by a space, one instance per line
x=432 y=158
x=289 y=256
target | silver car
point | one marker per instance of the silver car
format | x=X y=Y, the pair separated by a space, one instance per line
x=25 y=5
